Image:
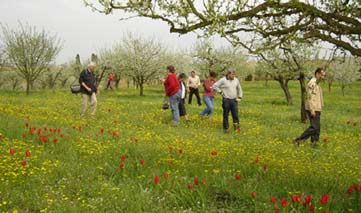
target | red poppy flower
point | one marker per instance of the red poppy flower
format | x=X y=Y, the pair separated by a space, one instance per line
x=39 y=131
x=190 y=186
x=102 y=130
x=276 y=208
x=354 y=123
x=156 y=179
x=325 y=140
x=141 y=161
x=238 y=177
x=115 y=134
x=213 y=152
x=196 y=181
x=311 y=208
x=284 y=202
x=273 y=199
x=253 y=194
x=264 y=167
x=325 y=199
x=24 y=135
x=123 y=158
x=166 y=175
x=55 y=140
x=296 y=198
x=27 y=153
x=121 y=165
x=256 y=160
x=238 y=130
x=308 y=200
x=61 y=135
x=350 y=190
x=12 y=151
x=23 y=163
x=204 y=182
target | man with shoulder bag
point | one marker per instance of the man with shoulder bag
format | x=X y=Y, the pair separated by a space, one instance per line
x=88 y=89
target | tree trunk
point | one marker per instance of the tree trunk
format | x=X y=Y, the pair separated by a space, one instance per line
x=284 y=86
x=301 y=79
x=141 y=89
x=27 y=86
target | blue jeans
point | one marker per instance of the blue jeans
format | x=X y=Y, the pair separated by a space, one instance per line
x=229 y=105
x=209 y=101
x=174 y=106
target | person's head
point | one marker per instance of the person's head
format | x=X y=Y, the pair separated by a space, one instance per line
x=212 y=75
x=320 y=73
x=91 y=66
x=182 y=77
x=193 y=74
x=171 y=69
x=231 y=73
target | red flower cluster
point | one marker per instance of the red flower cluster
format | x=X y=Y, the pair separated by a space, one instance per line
x=325 y=199
x=354 y=187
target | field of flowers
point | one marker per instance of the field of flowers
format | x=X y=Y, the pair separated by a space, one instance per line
x=129 y=157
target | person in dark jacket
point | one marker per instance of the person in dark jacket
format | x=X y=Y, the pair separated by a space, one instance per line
x=182 y=109
x=172 y=90
x=88 y=89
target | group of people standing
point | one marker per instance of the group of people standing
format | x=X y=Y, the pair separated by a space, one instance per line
x=228 y=86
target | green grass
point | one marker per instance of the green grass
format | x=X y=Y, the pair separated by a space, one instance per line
x=82 y=173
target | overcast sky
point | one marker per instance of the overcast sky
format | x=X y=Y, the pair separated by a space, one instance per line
x=83 y=31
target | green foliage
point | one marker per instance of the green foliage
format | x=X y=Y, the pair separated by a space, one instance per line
x=82 y=171
x=29 y=51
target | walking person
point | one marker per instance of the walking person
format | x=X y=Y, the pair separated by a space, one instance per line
x=231 y=91
x=172 y=90
x=182 y=109
x=88 y=89
x=110 y=81
x=193 y=84
x=313 y=105
x=208 y=94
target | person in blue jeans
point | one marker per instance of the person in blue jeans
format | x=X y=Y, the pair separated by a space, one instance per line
x=172 y=90
x=208 y=94
x=231 y=91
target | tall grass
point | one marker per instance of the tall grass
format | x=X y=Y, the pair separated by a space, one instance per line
x=113 y=162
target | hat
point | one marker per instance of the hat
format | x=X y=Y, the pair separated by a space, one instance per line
x=92 y=64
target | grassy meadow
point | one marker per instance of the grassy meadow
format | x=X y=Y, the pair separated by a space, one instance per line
x=130 y=159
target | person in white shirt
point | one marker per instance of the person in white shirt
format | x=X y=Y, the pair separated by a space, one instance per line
x=231 y=91
x=182 y=109
x=193 y=84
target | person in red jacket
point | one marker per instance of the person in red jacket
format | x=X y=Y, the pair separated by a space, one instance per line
x=172 y=90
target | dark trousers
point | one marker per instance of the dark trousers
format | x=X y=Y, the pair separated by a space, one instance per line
x=196 y=92
x=182 y=108
x=313 y=130
x=230 y=105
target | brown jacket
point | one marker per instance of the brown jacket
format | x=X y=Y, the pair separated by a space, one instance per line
x=314 y=98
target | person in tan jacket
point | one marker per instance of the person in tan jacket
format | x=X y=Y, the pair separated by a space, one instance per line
x=313 y=105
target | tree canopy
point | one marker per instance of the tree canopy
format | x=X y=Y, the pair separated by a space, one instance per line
x=244 y=22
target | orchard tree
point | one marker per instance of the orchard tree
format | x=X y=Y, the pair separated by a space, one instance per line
x=209 y=58
x=140 y=58
x=290 y=61
x=345 y=70
x=30 y=51
x=245 y=23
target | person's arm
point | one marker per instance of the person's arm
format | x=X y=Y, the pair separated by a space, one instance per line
x=311 y=93
x=217 y=85
x=198 y=81
x=239 y=90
